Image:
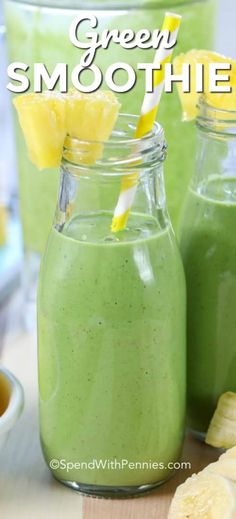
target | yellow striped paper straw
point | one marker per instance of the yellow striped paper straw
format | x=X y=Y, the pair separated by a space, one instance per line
x=146 y=120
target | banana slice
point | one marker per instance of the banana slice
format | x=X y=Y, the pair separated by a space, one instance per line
x=222 y=429
x=224 y=467
x=204 y=496
x=229 y=454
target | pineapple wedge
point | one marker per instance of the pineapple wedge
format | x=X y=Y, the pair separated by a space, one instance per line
x=43 y=121
x=91 y=117
x=47 y=118
x=189 y=101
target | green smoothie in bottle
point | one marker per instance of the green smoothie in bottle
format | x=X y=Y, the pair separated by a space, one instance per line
x=208 y=246
x=111 y=326
x=105 y=359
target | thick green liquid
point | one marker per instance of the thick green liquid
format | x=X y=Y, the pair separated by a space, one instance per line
x=111 y=331
x=41 y=35
x=208 y=246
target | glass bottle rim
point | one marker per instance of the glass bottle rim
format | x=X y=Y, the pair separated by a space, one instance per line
x=216 y=120
x=121 y=153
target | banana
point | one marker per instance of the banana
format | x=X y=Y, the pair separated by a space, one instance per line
x=211 y=494
x=225 y=467
x=204 y=496
x=229 y=454
x=222 y=429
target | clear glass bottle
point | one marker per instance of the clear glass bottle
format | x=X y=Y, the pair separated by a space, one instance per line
x=111 y=324
x=208 y=246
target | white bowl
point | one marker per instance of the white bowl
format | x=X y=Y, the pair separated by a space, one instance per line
x=11 y=403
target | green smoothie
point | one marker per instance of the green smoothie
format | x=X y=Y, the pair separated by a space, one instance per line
x=111 y=332
x=208 y=247
x=39 y=34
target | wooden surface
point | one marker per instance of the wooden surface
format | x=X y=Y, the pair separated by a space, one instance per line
x=27 y=489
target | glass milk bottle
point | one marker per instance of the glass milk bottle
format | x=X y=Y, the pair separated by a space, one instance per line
x=111 y=324
x=208 y=246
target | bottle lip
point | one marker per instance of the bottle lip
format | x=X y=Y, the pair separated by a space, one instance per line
x=215 y=120
x=121 y=152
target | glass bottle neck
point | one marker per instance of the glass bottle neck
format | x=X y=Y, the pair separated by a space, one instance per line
x=216 y=149
x=90 y=194
x=122 y=175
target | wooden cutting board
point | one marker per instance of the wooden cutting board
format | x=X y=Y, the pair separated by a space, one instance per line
x=27 y=489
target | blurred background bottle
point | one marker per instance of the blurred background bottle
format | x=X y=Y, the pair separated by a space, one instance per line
x=38 y=32
x=10 y=239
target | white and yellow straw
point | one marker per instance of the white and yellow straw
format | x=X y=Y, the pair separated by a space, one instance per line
x=146 y=120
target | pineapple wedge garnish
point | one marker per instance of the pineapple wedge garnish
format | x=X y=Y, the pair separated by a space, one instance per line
x=189 y=101
x=42 y=118
x=46 y=119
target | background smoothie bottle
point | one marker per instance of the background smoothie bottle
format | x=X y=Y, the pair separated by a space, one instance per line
x=208 y=246
x=111 y=325
x=38 y=32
